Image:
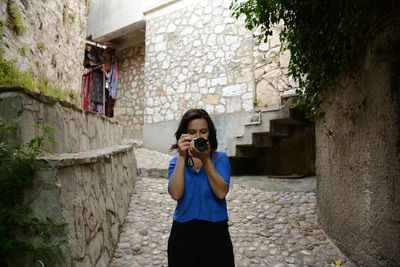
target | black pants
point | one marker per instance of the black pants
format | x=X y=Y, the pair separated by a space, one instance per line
x=200 y=244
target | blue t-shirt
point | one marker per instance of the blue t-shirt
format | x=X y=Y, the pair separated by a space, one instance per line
x=198 y=201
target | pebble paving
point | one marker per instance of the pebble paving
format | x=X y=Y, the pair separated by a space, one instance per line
x=267 y=228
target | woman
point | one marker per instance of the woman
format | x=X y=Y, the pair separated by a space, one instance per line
x=199 y=181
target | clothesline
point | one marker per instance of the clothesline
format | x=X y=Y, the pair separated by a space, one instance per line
x=99 y=89
x=87 y=71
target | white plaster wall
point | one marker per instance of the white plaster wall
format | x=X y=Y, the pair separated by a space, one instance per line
x=108 y=16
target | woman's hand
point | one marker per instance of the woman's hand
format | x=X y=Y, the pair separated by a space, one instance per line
x=184 y=144
x=202 y=155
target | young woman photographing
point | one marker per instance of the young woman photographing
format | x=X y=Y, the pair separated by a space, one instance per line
x=199 y=180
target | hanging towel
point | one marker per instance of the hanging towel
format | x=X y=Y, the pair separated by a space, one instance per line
x=113 y=81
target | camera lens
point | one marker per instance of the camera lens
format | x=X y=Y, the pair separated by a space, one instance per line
x=200 y=143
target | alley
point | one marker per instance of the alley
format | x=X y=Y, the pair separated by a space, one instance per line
x=268 y=228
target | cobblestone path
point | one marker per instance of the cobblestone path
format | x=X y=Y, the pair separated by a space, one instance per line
x=267 y=228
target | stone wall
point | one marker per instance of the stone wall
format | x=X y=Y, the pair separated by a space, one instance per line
x=129 y=107
x=87 y=182
x=358 y=168
x=91 y=192
x=197 y=56
x=271 y=64
x=53 y=45
x=75 y=129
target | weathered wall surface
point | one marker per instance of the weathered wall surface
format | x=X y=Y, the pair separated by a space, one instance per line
x=129 y=107
x=86 y=183
x=75 y=129
x=53 y=45
x=91 y=193
x=358 y=168
x=271 y=71
x=197 y=56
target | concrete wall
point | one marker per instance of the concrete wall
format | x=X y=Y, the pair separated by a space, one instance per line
x=358 y=168
x=57 y=26
x=109 y=16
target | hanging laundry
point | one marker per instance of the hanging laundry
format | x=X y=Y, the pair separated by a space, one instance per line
x=112 y=83
x=96 y=92
x=86 y=85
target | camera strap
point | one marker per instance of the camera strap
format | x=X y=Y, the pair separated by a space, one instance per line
x=189 y=160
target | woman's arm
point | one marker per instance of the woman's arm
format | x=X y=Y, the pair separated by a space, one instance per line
x=218 y=185
x=176 y=185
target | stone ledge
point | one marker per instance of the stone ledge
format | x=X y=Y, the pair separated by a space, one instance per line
x=51 y=100
x=152 y=172
x=85 y=157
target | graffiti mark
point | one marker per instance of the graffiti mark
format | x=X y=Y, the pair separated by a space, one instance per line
x=85 y=224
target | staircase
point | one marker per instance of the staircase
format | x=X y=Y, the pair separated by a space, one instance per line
x=277 y=142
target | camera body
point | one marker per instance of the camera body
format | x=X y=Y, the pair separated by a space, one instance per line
x=200 y=143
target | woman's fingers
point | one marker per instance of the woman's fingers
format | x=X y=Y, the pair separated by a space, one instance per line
x=184 y=142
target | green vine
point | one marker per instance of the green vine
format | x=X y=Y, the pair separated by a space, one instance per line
x=16 y=222
x=10 y=75
x=40 y=46
x=324 y=39
x=16 y=19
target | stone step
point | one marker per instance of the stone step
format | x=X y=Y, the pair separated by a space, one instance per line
x=84 y=157
x=152 y=172
x=246 y=151
x=260 y=132
x=262 y=140
x=152 y=163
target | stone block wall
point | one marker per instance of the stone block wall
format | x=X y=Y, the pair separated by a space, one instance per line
x=75 y=129
x=271 y=64
x=358 y=167
x=197 y=56
x=129 y=107
x=86 y=182
x=53 y=45
x=91 y=192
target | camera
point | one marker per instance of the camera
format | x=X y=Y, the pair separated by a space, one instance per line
x=200 y=143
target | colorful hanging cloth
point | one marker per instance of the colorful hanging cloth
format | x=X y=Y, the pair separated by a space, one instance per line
x=113 y=81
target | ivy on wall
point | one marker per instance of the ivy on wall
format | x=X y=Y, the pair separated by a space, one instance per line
x=324 y=38
x=22 y=234
x=16 y=21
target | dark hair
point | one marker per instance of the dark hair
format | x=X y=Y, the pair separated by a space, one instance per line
x=193 y=114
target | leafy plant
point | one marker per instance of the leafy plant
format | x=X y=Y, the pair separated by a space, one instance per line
x=16 y=19
x=16 y=222
x=324 y=38
x=23 y=51
x=40 y=46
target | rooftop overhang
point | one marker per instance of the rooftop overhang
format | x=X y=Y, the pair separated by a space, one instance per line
x=127 y=36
